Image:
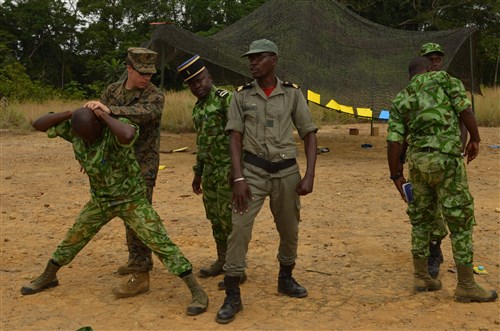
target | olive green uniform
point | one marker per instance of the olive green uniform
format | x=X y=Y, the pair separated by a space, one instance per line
x=266 y=125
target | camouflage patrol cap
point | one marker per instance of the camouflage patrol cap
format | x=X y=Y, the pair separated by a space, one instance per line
x=261 y=46
x=142 y=60
x=430 y=48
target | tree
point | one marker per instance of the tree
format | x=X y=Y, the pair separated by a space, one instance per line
x=45 y=37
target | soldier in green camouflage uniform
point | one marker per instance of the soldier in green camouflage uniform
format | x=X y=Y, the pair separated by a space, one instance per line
x=103 y=146
x=213 y=162
x=137 y=99
x=426 y=113
x=435 y=54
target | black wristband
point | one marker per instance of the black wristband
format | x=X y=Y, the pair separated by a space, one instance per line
x=396 y=176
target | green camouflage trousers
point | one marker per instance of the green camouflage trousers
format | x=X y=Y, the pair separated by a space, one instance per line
x=440 y=182
x=143 y=220
x=217 y=201
x=139 y=255
x=439 y=230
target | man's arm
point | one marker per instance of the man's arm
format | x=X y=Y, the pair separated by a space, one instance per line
x=124 y=132
x=306 y=184
x=468 y=118
x=393 y=155
x=47 y=121
x=241 y=190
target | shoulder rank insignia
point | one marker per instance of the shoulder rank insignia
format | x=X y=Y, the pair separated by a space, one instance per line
x=288 y=84
x=243 y=87
x=221 y=93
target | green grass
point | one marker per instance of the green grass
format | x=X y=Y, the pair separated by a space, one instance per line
x=178 y=107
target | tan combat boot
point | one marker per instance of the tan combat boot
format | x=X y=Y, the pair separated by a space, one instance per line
x=467 y=290
x=137 y=284
x=422 y=281
x=215 y=268
x=199 y=301
x=125 y=269
x=46 y=280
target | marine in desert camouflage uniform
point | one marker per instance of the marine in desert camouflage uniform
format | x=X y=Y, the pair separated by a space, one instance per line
x=137 y=99
x=426 y=113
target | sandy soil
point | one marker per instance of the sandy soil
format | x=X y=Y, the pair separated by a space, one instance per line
x=354 y=246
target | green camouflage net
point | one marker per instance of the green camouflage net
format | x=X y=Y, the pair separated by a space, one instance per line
x=324 y=48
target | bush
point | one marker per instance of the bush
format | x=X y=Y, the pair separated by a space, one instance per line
x=11 y=118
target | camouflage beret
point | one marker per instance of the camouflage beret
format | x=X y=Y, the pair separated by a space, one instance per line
x=142 y=60
x=430 y=48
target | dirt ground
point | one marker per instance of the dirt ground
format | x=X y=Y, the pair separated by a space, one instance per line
x=354 y=249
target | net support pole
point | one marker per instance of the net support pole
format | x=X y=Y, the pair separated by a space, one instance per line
x=162 y=83
x=471 y=73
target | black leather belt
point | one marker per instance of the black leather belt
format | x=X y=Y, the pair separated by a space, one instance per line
x=271 y=167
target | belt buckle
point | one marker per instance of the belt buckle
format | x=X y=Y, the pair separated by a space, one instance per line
x=273 y=168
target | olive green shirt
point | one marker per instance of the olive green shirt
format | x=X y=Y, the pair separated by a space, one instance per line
x=267 y=123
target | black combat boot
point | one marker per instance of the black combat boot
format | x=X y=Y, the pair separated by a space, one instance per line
x=435 y=258
x=287 y=285
x=222 y=286
x=232 y=303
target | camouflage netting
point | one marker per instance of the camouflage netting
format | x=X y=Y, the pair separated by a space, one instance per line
x=323 y=46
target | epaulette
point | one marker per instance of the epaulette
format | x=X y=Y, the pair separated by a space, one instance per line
x=243 y=87
x=221 y=93
x=288 y=84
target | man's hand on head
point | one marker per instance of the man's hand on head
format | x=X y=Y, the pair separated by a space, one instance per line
x=97 y=104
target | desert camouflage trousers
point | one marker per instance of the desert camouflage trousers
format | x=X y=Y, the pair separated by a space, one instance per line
x=217 y=196
x=440 y=182
x=142 y=219
x=139 y=255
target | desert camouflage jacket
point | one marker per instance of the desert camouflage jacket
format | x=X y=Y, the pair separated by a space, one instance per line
x=210 y=118
x=144 y=108
x=427 y=113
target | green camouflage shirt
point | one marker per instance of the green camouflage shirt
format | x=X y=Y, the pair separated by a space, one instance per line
x=113 y=171
x=144 y=109
x=427 y=112
x=210 y=119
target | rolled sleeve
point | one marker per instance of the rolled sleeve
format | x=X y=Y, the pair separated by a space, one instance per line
x=234 y=117
x=303 y=120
